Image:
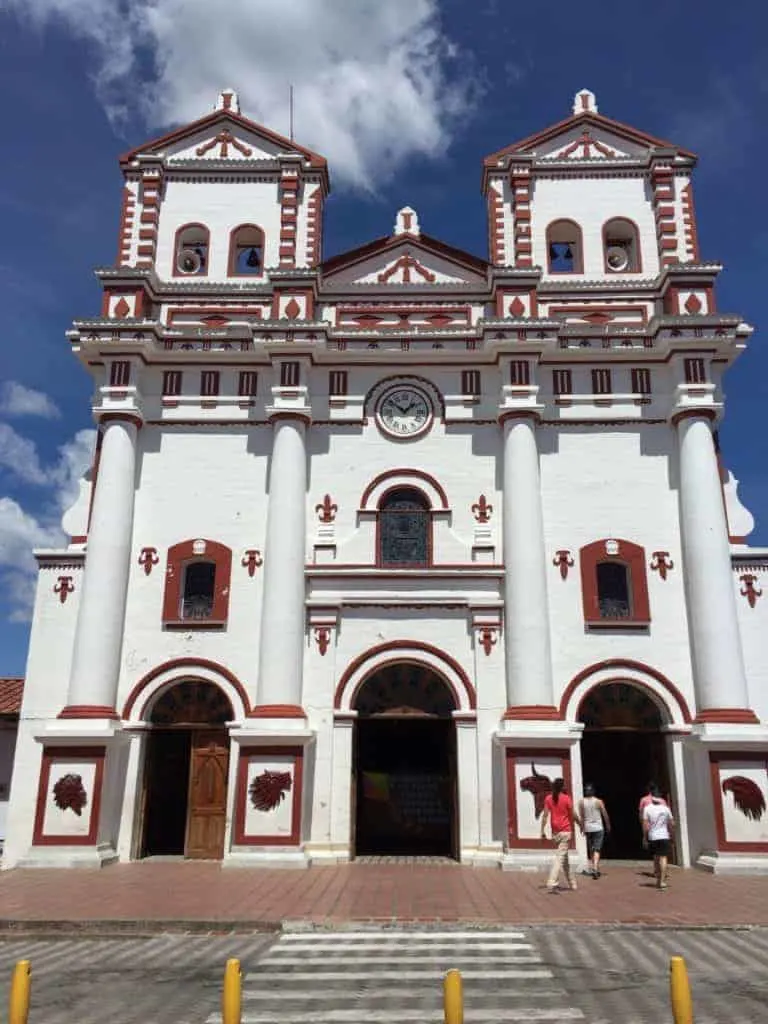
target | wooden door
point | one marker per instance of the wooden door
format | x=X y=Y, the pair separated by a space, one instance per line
x=207 y=814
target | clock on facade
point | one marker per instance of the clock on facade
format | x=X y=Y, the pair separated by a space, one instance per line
x=404 y=412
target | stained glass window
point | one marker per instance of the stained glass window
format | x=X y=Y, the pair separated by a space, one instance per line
x=404 y=526
x=613 y=590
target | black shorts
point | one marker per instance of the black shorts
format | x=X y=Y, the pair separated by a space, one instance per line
x=594 y=842
x=660 y=847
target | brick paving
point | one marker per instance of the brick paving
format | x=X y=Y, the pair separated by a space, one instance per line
x=196 y=893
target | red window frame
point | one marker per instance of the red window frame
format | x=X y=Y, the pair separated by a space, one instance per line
x=562 y=382
x=602 y=383
x=247 y=383
x=520 y=372
x=695 y=370
x=641 y=381
x=632 y=557
x=179 y=557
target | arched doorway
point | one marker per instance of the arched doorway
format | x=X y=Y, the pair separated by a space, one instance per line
x=404 y=780
x=622 y=750
x=185 y=782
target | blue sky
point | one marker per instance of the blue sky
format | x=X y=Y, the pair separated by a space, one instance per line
x=404 y=98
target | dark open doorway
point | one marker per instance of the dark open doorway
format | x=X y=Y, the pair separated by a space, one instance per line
x=185 y=794
x=622 y=750
x=405 y=765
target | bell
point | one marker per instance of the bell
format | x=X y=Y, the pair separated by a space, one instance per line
x=253 y=258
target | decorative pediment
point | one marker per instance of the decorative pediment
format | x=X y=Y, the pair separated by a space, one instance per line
x=402 y=261
x=223 y=135
x=586 y=135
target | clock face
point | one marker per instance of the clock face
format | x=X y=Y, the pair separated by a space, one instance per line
x=405 y=412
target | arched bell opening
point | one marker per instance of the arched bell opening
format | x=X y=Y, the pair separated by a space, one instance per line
x=186 y=771
x=405 y=777
x=623 y=748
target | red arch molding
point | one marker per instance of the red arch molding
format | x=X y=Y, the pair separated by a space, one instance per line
x=413 y=474
x=182 y=663
x=410 y=645
x=637 y=666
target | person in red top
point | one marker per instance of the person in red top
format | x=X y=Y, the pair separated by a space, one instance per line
x=558 y=810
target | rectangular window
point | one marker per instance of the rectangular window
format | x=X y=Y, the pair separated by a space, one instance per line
x=601 y=382
x=338 y=382
x=289 y=375
x=695 y=372
x=209 y=383
x=119 y=373
x=519 y=372
x=562 y=382
x=247 y=383
x=172 y=382
x=470 y=382
x=641 y=381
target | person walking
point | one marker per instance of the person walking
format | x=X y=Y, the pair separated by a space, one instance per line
x=595 y=824
x=658 y=824
x=644 y=801
x=558 y=811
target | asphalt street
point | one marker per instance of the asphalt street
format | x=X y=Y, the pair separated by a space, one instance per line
x=595 y=975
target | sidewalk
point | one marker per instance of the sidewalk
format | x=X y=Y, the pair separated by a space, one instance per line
x=200 y=894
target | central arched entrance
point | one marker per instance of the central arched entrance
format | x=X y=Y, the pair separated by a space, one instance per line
x=622 y=750
x=187 y=759
x=404 y=778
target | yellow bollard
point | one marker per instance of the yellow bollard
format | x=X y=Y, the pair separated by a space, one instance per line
x=453 y=999
x=18 y=1001
x=232 y=994
x=680 y=991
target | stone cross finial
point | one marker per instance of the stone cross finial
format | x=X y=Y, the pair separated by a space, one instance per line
x=584 y=102
x=228 y=100
x=407 y=222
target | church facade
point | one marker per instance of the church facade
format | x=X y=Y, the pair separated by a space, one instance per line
x=375 y=547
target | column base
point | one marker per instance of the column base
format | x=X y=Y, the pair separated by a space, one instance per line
x=532 y=712
x=89 y=711
x=718 y=863
x=97 y=856
x=274 y=858
x=278 y=711
x=727 y=716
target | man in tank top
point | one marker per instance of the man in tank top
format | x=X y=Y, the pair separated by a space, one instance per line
x=658 y=824
x=595 y=825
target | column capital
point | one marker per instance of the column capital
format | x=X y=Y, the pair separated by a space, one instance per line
x=119 y=417
x=506 y=415
x=275 y=413
x=705 y=413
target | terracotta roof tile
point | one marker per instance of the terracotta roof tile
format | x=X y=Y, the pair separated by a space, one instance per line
x=11 y=691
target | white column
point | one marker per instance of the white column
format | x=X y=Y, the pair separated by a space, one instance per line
x=718 y=661
x=281 y=649
x=101 y=617
x=526 y=610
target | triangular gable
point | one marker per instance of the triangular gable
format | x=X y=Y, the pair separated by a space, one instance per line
x=223 y=134
x=604 y=132
x=405 y=259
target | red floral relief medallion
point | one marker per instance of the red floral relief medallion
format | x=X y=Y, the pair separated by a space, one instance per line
x=747 y=796
x=538 y=786
x=662 y=563
x=147 y=559
x=69 y=793
x=268 y=790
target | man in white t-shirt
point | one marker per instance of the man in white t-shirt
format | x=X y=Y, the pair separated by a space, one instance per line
x=658 y=824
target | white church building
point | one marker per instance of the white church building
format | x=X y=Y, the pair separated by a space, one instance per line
x=374 y=547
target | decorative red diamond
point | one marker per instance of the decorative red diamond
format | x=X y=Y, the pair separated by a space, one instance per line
x=215 y=320
x=693 y=304
x=122 y=308
x=516 y=306
x=292 y=309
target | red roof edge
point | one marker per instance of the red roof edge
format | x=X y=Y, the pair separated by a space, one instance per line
x=11 y=693
x=449 y=252
x=590 y=117
x=225 y=115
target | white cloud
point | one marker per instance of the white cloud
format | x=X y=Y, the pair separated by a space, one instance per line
x=18 y=400
x=20 y=531
x=375 y=82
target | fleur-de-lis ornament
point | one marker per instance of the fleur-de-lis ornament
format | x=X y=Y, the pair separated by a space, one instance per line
x=481 y=510
x=326 y=511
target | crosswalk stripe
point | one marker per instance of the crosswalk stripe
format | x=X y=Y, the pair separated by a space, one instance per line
x=387 y=934
x=375 y=977
x=424 y=1016
x=279 y=961
x=434 y=972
